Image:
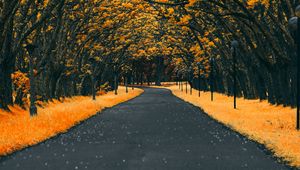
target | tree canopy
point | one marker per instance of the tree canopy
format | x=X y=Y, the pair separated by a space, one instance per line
x=146 y=41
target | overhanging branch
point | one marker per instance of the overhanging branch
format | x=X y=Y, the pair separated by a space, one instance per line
x=168 y=4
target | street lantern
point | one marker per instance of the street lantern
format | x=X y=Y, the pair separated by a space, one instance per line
x=33 y=109
x=294 y=25
x=211 y=61
x=180 y=80
x=200 y=67
x=191 y=79
x=92 y=61
x=132 y=80
x=177 y=79
x=186 y=82
x=115 y=80
x=234 y=46
x=126 y=81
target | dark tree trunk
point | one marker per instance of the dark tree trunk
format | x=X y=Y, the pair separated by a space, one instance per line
x=5 y=87
x=6 y=69
x=86 y=86
x=159 y=70
x=19 y=98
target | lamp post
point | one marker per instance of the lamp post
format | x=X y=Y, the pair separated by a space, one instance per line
x=33 y=109
x=190 y=76
x=186 y=84
x=181 y=82
x=234 y=45
x=92 y=61
x=178 y=82
x=294 y=24
x=177 y=79
x=132 y=80
x=126 y=81
x=212 y=61
x=115 y=80
x=199 y=64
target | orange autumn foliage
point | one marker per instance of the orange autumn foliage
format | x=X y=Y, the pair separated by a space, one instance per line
x=21 y=81
x=18 y=130
x=272 y=126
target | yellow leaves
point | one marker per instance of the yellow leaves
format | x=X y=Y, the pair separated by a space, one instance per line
x=45 y=3
x=92 y=29
x=76 y=7
x=211 y=44
x=122 y=15
x=98 y=47
x=23 y=2
x=178 y=61
x=21 y=81
x=38 y=16
x=217 y=40
x=102 y=8
x=49 y=28
x=191 y=3
x=72 y=17
x=185 y=28
x=142 y=51
x=253 y=3
x=140 y=7
x=98 y=58
x=163 y=1
x=171 y=39
x=171 y=11
x=83 y=37
x=204 y=40
x=122 y=39
x=107 y=24
x=194 y=48
x=127 y=5
x=136 y=1
x=152 y=50
x=185 y=20
x=39 y=3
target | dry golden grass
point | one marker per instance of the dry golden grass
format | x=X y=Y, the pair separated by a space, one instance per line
x=273 y=126
x=18 y=130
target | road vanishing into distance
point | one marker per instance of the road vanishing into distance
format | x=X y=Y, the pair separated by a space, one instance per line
x=155 y=131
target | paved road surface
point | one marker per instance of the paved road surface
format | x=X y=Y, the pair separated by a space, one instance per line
x=153 y=131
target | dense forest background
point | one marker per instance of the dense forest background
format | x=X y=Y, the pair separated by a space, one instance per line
x=62 y=48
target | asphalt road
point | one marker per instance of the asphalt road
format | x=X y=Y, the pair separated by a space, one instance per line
x=153 y=131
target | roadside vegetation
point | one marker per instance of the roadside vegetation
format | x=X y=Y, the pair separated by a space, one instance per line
x=18 y=130
x=272 y=126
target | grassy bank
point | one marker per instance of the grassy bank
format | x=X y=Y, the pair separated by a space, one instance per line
x=18 y=130
x=272 y=126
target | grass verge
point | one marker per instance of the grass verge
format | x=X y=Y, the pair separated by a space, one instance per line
x=18 y=130
x=272 y=126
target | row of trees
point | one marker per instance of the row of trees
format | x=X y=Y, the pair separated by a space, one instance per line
x=81 y=42
x=266 y=57
x=77 y=43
